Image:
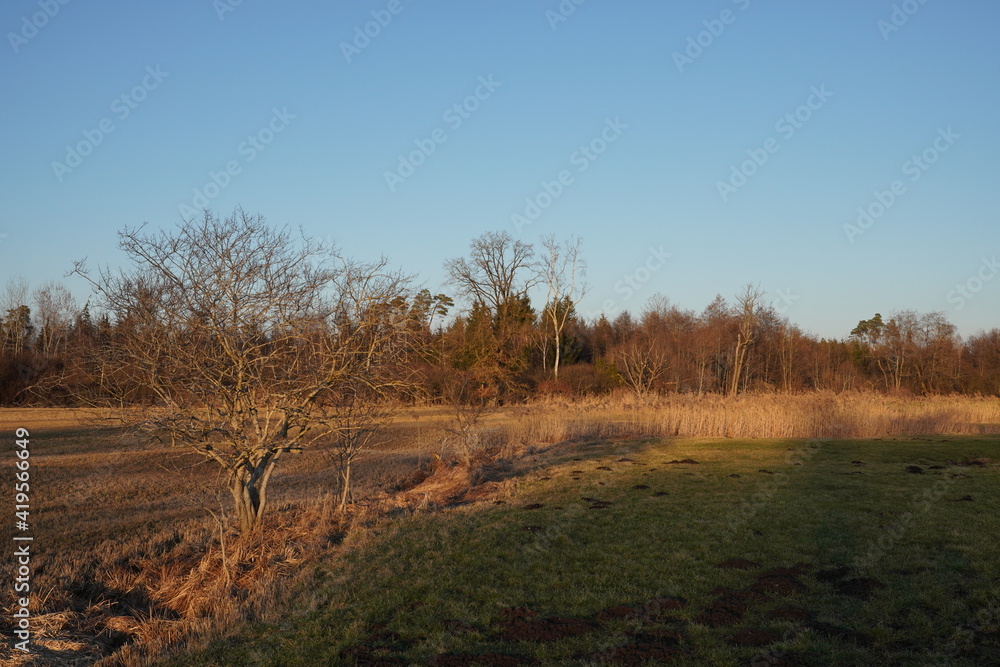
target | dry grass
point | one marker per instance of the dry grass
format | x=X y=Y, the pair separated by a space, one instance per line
x=133 y=565
x=813 y=415
x=134 y=554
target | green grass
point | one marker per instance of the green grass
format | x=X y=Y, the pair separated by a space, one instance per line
x=937 y=556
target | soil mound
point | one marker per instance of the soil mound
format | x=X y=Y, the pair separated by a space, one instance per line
x=658 y=607
x=861 y=587
x=726 y=610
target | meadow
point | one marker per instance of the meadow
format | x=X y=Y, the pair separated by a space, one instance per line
x=808 y=529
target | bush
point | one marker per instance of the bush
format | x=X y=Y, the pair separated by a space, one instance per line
x=597 y=378
x=554 y=388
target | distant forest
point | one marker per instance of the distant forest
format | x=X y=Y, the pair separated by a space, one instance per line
x=501 y=347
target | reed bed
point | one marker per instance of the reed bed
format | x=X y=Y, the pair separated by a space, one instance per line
x=822 y=415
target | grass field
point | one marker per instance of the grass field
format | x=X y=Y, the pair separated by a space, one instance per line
x=547 y=550
x=777 y=552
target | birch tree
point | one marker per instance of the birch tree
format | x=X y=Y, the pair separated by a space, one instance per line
x=562 y=270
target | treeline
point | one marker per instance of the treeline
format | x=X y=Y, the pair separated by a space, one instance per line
x=727 y=348
x=500 y=346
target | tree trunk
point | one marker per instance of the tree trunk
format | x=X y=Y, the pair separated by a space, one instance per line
x=246 y=504
x=345 y=484
x=555 y=365
x=740 y=352
x=248 y=486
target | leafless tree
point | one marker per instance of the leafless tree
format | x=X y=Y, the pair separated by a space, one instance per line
x=358 y=421
x=562 y=269
x=495 y=279
x=470 y=403
x=15 y=293
x=15 y=320
x=641 y=364
x=248 y=342
x=748 y=311
x=55 y=310
x=791 y=338
x=498 y=271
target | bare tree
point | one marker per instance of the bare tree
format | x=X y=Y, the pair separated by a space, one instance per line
x=641 y=364
x=359 y=419
x=55 y=310
x=748 y=317
x=494 y=274
x=470 y=403
x=562 y=269
x=791 y=337
x=16 y=317
x=247 y=341
x=495 y=279
x=15 y=293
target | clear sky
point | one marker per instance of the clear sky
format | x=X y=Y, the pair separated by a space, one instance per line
x=701 y=145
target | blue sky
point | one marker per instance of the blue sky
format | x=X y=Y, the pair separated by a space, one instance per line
x=595 y=92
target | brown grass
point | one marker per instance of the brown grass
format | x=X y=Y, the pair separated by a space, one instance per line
x=813 y=415
x=134 y=556
x=135 y=559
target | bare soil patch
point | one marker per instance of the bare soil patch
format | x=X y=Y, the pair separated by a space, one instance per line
x=754 y=637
